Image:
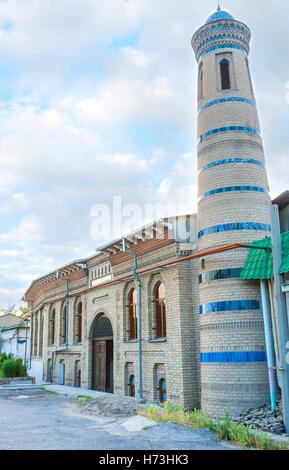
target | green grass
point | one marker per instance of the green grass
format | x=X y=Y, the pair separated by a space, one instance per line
x=243 y=436
x=49 y=391
x=88 y=397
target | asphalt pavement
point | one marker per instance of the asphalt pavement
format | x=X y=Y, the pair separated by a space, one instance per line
x=38 y=419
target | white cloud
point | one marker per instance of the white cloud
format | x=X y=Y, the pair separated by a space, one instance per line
x=99 y=99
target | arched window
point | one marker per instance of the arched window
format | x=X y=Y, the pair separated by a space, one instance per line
x=163 y=390
x=131 y=386
x=132 y=314
x=41 y=334
x=35 y=326
x=160 y=310
x=225 y=74
x=63 y=325
x=79 y=323
x=52 y=327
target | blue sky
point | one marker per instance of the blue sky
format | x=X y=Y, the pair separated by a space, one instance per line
x=98 y=99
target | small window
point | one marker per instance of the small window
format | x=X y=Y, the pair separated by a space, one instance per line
x=163 y=390
x=132 y=314
x=131 y=386
x=225 y=74
x=160 y=310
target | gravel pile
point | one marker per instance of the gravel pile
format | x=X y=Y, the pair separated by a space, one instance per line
x=110 y=406
x=263 y=418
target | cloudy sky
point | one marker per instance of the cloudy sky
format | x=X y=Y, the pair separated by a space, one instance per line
x=98 y=99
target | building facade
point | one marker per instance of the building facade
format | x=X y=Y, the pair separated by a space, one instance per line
x=282 y=202
x=96 y=344
x=202 y=338
x=15 y=337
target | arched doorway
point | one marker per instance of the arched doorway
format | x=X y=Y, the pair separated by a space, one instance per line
x=102 y=356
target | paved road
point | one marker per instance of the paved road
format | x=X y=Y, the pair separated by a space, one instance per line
x=36 y=419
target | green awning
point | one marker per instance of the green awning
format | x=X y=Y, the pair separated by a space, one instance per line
x=259 y=264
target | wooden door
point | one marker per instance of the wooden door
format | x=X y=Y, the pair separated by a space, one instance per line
x=99 y=366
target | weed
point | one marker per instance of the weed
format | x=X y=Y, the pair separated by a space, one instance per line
x=49 y=391
x=244 y=436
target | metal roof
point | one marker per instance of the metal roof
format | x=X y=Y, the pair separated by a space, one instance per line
x=259 y=264
x=282 y=200
x=219 y=15
x=9 y=320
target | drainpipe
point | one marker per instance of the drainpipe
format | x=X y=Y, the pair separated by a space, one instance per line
x=139 y=314
x=269 y=342
x=66 y=326
x=31 y=329
x=281 y=314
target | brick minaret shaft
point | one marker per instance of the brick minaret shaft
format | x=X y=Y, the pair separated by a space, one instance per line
x=234 y=206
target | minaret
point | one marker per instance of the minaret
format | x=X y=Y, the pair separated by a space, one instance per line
x=234 y=206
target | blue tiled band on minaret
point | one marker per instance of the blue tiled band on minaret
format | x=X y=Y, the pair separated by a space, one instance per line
x=220 y=274
x=231 y=189
x=234 y=226
x=223 y=46
x=232 y=160
x=230 y=306
x=232 y=356
x=228 y=129
x=227 y=100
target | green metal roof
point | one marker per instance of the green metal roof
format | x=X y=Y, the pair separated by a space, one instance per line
x=285 y=257
x=259 y=264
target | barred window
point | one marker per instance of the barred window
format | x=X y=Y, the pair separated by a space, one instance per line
x=160 y=310
x=131 y=386
x=63 y=325
x=52 y=327
x=132 y=314
x=79 y=323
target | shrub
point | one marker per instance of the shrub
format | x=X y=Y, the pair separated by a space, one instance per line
x=20 y=368
x=9 y=368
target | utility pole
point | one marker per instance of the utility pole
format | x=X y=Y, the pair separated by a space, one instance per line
x=281 y=313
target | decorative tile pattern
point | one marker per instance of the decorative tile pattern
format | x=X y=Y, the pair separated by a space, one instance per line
x=224 y=46
x=231 y=189
x=234 y=226
x=228 y=100
x=228 y=129
x=229 y=306
x=232 y=160
x=220 y=274
x=233 y=357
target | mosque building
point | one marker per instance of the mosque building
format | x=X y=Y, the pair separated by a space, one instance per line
x=176 y=322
